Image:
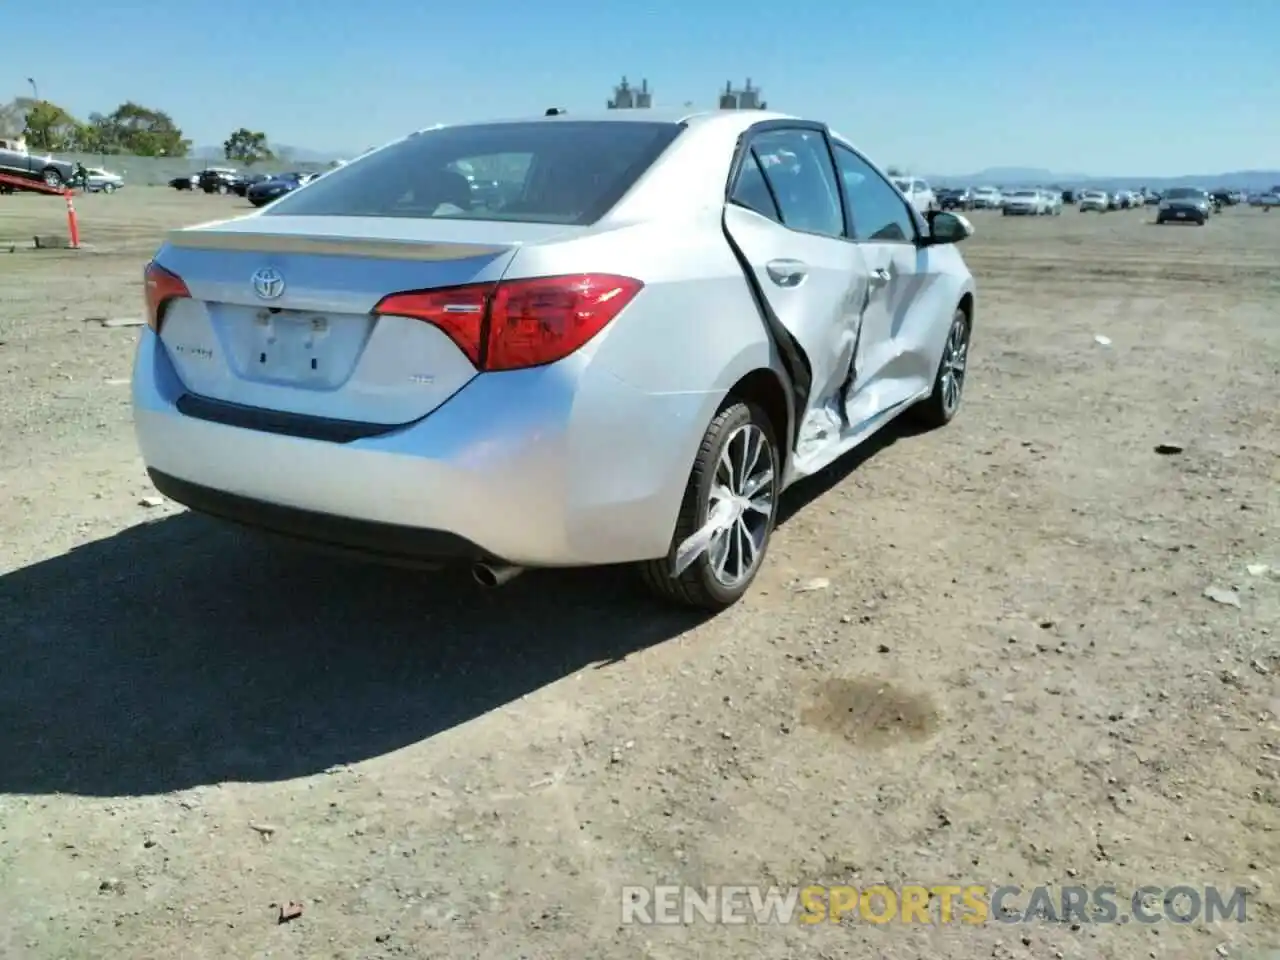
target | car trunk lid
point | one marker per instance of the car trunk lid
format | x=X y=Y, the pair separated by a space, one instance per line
x=280 y=315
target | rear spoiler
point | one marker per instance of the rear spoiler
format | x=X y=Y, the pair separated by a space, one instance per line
x=194 y=238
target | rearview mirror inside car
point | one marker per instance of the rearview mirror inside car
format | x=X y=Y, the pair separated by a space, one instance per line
x=947 y=227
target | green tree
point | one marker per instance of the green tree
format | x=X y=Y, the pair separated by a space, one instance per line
x=99 y=134
x=247 y=146
x=145 y=132
x=50 y=127
x=13 y=117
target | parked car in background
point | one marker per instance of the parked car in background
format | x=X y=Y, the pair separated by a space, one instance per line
x=218 y=180
x=1184 y=205
x=986 y=198
x=185 y=182
x=918 y=192
x=275 y=187
x=17 y=161
x=103 y=181
x=1096 y=200
x=1052 y=201
x=409 y=374
x=1024 y=202
x=955 y=198
x=1266 y=199
x=1070 y=196
x=240 y=186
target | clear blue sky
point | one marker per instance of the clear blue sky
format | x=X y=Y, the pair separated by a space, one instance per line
x=1126 y=87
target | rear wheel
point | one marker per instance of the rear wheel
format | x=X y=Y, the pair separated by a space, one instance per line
x=948 y=383
x=735 y=479
x=51 y=177
x=108 y=188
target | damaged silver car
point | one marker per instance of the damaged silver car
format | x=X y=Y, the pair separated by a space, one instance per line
x=557 y=342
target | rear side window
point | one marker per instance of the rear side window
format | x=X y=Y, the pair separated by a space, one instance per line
x=801 y=178
x=752 y=192
x=541 y=172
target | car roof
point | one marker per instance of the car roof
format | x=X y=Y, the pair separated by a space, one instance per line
x=688 y=116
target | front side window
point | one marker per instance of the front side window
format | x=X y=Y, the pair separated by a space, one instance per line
x=879 y=214
x=562 y=172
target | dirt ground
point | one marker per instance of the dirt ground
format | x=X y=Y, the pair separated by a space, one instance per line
x=1008 y=673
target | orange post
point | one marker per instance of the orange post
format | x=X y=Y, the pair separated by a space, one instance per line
x=73 y=226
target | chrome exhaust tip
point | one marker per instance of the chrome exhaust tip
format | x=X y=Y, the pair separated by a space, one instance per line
x=494 y=575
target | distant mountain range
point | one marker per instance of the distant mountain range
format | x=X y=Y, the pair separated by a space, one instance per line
x=1035 y=176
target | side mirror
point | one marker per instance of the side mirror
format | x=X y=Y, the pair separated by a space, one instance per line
x=947 y=227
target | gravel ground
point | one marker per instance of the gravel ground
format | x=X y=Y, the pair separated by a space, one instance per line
x=983 y=655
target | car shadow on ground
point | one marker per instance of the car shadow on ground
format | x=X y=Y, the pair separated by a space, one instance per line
x=185 y=652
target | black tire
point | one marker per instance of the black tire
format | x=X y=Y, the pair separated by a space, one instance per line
x=108 y=188
x=698 y=586
x=935 y=411
x=51 y=177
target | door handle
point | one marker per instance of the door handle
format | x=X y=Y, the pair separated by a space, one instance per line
x=879 y=277
x=787 y=273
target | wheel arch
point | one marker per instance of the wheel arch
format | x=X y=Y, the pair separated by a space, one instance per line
x=764 y=387
x=966 y=305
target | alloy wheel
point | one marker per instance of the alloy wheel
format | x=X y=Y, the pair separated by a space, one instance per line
x=745 y=481
x=954 y=358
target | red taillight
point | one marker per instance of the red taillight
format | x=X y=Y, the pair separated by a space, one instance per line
x=458 y=311
x=161 y=287
x=519 y=323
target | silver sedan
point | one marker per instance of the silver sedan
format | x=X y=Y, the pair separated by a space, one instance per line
x=556 y=342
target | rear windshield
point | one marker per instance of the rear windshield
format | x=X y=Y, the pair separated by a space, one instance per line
x=541 y=172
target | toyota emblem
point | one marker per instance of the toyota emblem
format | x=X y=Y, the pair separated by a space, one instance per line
x=268 y=284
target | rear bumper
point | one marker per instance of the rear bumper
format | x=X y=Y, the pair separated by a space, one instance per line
x=386 y=541
x=554 y=466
